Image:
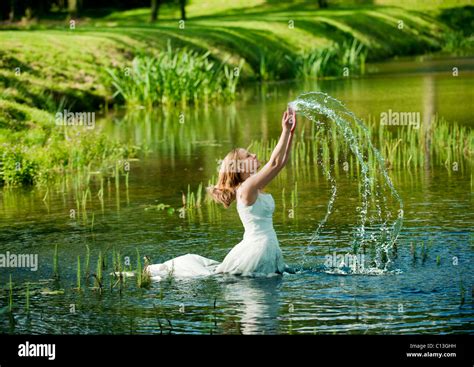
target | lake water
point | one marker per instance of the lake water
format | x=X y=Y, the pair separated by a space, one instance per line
x=421 y=294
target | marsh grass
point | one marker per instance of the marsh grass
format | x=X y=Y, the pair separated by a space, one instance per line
x=118 y=270
x=56 y=263
x=92 y=222
x=193 y=200
x=10 y=295
x=322 y=150
x=294 y=196
x=78 y=273
x=87 y=266
x=98 y=274
x=62 y=154
x=175 y=77
x=462 y=292
x=339 y=60
x=443 y=144
x=457 y=43
x=143 y=277
x=27 y=298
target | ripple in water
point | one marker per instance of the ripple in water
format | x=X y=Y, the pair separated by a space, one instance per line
x=377 y=228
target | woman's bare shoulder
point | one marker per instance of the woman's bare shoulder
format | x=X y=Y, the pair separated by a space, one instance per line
x=246 y=194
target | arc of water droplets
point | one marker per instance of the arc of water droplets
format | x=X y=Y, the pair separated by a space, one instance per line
x=313 y=104
x=332 y=199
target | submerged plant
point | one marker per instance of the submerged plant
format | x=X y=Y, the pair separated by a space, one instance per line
x=78 y=273
x=27 y=295
x=87 y=267
x=98 y=273
x=462 y=292
x=10 y=297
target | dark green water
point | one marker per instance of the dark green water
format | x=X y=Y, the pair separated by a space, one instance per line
x=422 y=294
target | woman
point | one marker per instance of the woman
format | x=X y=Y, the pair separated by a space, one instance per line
x=258 y=254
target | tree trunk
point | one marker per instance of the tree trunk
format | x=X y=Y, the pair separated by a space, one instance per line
x=182 y=6
x=5 y=10
x=155 y=8
x=17 y=9
x=323 y=4
x=74 y=7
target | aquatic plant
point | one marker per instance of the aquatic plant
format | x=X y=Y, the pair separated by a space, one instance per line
x=68 y=150
x=462 y=292
x=444 y=143
x=78 y=273
x=143 y=276
x=98 y=273
x=10 y=295
x=193 y=200
x=56 y=262
x=175 y=76
x=339 y=60
x=27 y=296
x=87 y=267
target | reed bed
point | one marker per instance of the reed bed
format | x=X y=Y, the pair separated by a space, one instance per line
x=27 y=298
x=56 y=262
x=442 y=143
x=175 y=76
x=339 y=60
x=78 y=273
x=10 y=295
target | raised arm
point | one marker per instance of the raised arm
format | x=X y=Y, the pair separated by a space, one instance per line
x=278 y=159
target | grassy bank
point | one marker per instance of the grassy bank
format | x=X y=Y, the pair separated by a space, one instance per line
x=47 y=66
x=58 y=61
x=34 y=150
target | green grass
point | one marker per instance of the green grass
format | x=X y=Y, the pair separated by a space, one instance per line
x=253 y=30
x=46 y=67
x=175 y=76
x=36 y=151
x=446 y=144
x=255 y=33
x=10 y=295
x=56 y=263
x=78 y=273
x=98 y=273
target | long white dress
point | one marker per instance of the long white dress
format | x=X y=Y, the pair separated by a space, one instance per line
x=258 y=254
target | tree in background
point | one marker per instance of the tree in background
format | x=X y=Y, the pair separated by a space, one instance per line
x=323 y=3
x=155 y=8
x=4 y=10
x=15 y=10
x=74 y=7
x=182 y=7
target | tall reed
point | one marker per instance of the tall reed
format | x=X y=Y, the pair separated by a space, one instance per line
x=10 y=296
x=337 y=61
x=56 y=262
x=78 y=273
x=27 y=296
x=176 y=76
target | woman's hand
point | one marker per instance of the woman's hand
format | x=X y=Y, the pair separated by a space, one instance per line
x=278 y=158
x=289 y=120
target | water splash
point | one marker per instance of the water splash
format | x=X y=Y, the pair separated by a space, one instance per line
x=378 y=232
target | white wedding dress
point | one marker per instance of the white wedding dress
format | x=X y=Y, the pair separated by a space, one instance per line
x=258 y=254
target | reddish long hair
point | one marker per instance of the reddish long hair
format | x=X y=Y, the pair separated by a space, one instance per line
x=224 y=191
